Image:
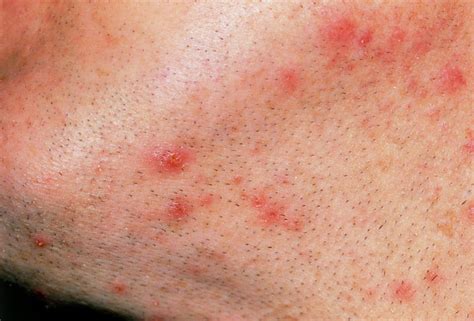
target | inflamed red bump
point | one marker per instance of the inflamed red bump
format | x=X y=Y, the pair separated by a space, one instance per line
x=40 y=241
x=170 y=159
x=271 y=213
x=237 y=180
x=206 y=200
x=178 y=209
x=397 y=37
x=365 y=38
x=432 y=276
x=451 y=79
x=403 y=291
x=341 y=31
x=118 y=288
x=469 y=146
x=289 y=80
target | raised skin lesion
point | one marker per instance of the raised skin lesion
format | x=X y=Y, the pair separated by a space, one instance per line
x=318 y=166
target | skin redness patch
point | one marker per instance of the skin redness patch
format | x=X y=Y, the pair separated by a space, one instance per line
x=397 y=37
x=365 y=38
x=119 y=288
x=237 y=180
x=289 y=80
x=271 y=213
x=470 y=212
x=469 y=146
x=451 y=79
x=341 y=31
x=432 y=276
x=403 y=291
x=178 y=209
x=169 y=159
x=206 y=200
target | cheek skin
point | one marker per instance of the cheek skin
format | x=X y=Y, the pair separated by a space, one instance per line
x=376 y=51
x=320 y=169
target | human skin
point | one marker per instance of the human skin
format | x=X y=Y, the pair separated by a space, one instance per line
x=240 y=161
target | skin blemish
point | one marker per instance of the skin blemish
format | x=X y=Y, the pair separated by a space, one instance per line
x=40 y=241
x=451 y=79
x=447 y=223
x=289 y=79
x=403 y=291
x=369 y=294
x=432 y=277
x=259 y=201
x=271 y=213
x=365 y=38
x=397 y=37
x=118 y=288
x=206 y=200
x=469 y=146
x=469 y=212
x=237 y=180
x=421 y=47
x=341 y=31
x=170 y=159
x=178 y=209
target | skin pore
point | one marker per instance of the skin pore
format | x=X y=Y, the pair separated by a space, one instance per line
x=249 y=161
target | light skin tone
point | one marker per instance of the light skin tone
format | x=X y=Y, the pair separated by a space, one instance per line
x=240 y=161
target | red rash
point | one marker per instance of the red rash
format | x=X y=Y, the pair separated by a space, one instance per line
x=341 y=31
x=470 y=212
x=432 y=277
x=352 y=43
x=237 y=180
x=397 y=37
x=206 y=200
x=469 y=146
x=273 y=213
x=40 y=241
x=344 y=33
x=403 y=291
x=178 y=209
x=170 y=159
x=451 y=79
x=290 y=80
x=119 y=288
x=269 y=213
x=365 y=38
